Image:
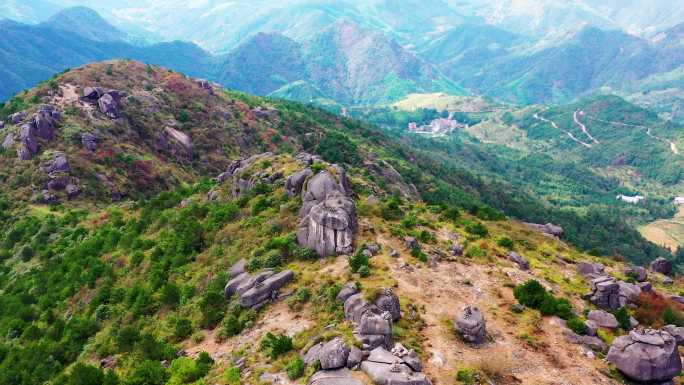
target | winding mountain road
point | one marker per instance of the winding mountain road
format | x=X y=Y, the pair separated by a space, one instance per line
x=582 y=126
x=573 y=137
x=673 y=146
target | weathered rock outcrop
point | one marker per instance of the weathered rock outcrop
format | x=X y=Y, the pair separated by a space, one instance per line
x=647 y=356
x=394 y=180
x=347 y=291
x=334 y=377
x=640 y=274
x=549 y=229
x=590 y=270
x=109 y=105
x=591 y=342
x=661 y=265
x=256 y=290
x=57 y=163
x=385 y=368
x=176 y=142
x=610 y=294
x=295 y=182
x=389 y=302
x=677 y=332
x=334 y=354
x=374 y=326
x=328 y=216
x=518 y=259
x=17 y=117
x=42 y=125
x=470 y=324
x=242 y=184
x=603 y=319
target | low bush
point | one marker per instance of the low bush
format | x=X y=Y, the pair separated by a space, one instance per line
x=295 y=368
x=578 y=326
x=275 y=345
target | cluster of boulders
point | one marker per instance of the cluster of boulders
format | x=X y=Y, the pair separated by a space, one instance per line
x=646 y=356
x=255 y=290
x=610 y=294
x=56 y=166
x=107 y=102
x=471 y=325
x=41 y=125
x=328 y=215
x=378 y=356
x=548 y=229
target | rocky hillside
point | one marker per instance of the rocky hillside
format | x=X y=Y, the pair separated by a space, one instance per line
x=157 y=229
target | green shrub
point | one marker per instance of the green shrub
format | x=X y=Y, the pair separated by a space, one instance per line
x=336 y=147
x=533 y=295
x=232 y=376
x=467 y=376
x=364 y=271
x=295 y=368
x=275 y=345
x=358 y=260
x=623 y=318
x=182 y=329
x=147 y=372
x=317 y=167
x=506 y=242
x=477 y=229
x=577 y=325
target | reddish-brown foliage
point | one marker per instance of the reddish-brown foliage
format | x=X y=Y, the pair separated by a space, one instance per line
x=650 y=308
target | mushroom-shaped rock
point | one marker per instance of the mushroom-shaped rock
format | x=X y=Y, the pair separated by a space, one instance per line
x=518 y=259
x=648 y=356
x=389 y=302
x=661 y=265
x=295 y=182
x=603 y=319
x=347 y=291
x=639 y=273
x=334 y=354
x=334 y=377
x=264 y=291
x=471 y=325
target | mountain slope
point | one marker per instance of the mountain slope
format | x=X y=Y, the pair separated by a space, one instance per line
x=136 y=292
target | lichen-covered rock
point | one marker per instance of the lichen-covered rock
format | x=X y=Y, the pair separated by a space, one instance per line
x=647 y=356
x=523 y=264
x=471 y=325
x=334 y=354
x=661 y=265
x=328 y=217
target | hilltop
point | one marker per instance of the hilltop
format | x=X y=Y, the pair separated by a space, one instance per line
x=157 y=229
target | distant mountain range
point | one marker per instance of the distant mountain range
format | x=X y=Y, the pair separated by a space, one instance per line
x=368 y=52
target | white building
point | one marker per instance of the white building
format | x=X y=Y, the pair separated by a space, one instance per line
x=632 y=200
x=679 y=201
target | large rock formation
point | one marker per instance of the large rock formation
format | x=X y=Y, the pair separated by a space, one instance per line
x=41 y=125
x=603 y=319
x=333 y=354
x=334 y=377
x=647 y=356
x=255 y=290
x=470 y=324
x=386 y=368
x=610 y=294
x=590 y=270
x=548 y=229
x=374 y=325
x=661 y=265
x=328 y=215
x=295 y=182
x=640 y=274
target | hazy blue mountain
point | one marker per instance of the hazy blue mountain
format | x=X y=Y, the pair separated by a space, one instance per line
x=31 y=54
x=31 y=11
x=86 y=23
